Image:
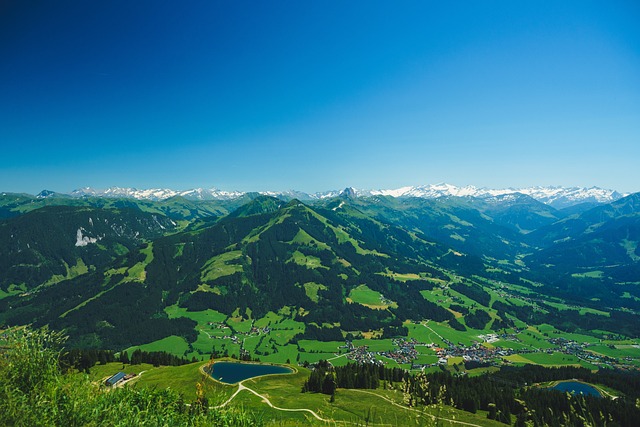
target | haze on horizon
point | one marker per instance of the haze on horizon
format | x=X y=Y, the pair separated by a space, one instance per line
x=259 y=96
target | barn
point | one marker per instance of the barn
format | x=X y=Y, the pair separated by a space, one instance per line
x=115 y=379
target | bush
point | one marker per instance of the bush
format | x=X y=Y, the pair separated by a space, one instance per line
x=34 y=392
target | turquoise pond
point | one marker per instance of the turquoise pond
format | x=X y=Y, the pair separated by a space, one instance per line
x=233 y=372
x=575 y=387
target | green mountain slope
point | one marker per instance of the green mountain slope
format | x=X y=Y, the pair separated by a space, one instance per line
x=176 y=208
x=54 y=243
x=595 y=255
x=340 y=267
x=519 y=212
x=453 y=221
x=586 y=222
x=293 y=257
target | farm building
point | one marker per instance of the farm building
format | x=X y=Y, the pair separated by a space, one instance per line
x=115 y=379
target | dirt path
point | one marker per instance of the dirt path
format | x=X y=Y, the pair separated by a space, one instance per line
x=338 y=357
x=319 y=418
x=242 y=387
x=271 y=405
x=265 y=400
x=415 y=410
x=437 y=334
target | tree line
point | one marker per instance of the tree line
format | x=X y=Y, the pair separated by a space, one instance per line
x=506 y=395
x=85 y=359
x=325 y=378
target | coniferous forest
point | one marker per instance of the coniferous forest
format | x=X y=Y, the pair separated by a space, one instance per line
x=505 y=394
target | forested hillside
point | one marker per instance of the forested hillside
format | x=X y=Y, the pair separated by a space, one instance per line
x=115 y=278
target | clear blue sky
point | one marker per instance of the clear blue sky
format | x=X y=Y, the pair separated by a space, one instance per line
x=257 y=95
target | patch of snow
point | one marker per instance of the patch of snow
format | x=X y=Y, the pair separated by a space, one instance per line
x=84 y=240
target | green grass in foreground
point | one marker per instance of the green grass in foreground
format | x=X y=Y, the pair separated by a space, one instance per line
x=34 y=392
x=284 y=391
x=358 y=406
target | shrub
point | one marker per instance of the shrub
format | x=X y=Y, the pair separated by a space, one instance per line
x=34 y=392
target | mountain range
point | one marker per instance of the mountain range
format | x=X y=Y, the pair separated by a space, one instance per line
x=113 y=270
x=558 y=197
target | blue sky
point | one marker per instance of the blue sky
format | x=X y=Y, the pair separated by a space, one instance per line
x=255 y=95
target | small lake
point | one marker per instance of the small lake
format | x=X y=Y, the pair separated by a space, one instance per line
x=233 y=372
x=575 y=387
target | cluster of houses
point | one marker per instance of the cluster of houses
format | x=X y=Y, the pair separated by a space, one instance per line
x=361 y=354
x=476 y=352
x=580 y=351
x=235 y=338
x=405 y=351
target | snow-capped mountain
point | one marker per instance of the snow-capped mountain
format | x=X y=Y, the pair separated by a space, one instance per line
x=433 y=191
x=557 y=197
x=561 y=197
x=157 y=193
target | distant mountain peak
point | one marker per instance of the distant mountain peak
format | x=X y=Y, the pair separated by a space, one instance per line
x=45 y=194
x=554 y=196
x=157 y=193
x=557 y=197
x=349 y=193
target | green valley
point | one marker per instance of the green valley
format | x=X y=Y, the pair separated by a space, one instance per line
x=368 y=281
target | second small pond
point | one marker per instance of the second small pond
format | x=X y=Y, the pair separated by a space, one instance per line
x=575 y=387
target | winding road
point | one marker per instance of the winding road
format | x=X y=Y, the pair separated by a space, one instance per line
x=264 y=399
x=271 y=405
x=434 y=417
x=242 y=387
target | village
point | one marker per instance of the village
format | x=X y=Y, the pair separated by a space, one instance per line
x=405 y=352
